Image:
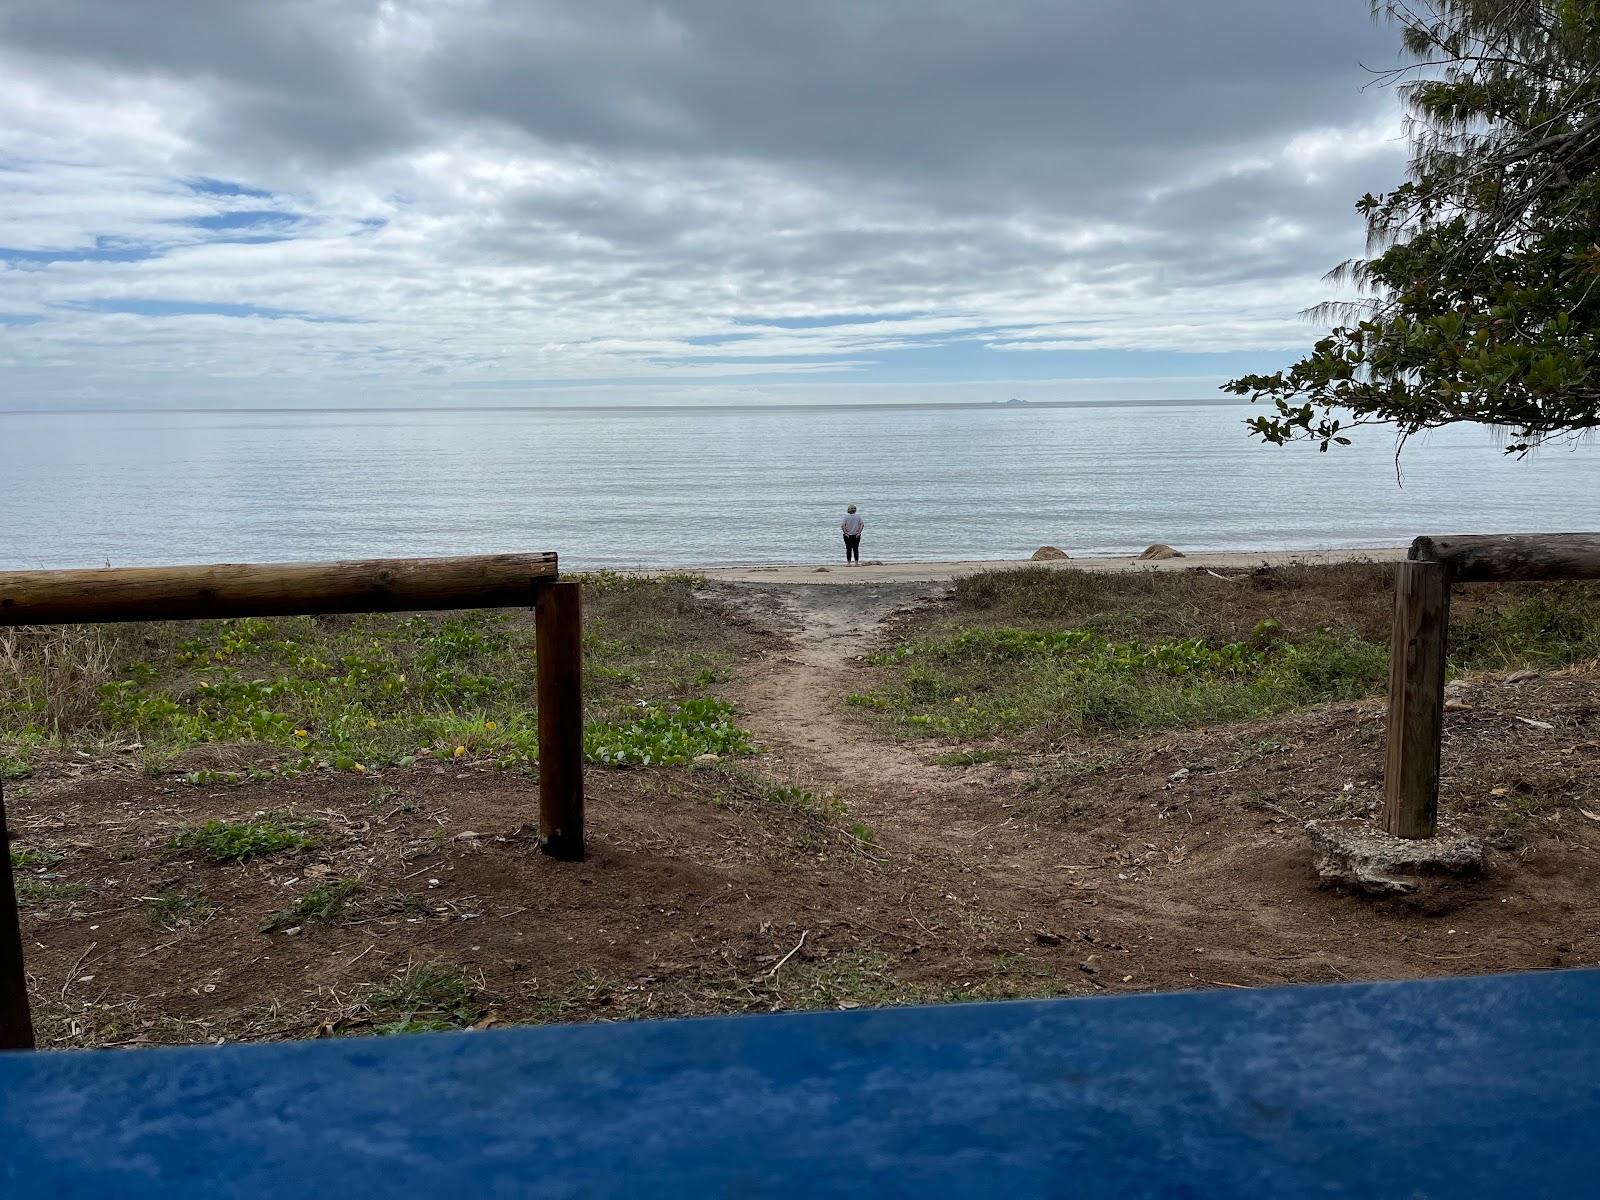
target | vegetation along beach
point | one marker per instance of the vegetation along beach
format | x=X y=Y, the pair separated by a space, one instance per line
x=1034 y=568
x=1022 y=782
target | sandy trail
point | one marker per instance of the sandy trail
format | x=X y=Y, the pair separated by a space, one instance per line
x=795 y=707
x=833 y=617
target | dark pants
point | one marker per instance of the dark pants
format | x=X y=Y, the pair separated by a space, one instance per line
x=852 y=548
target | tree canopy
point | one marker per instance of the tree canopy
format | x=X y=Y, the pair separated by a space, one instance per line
x=1481 y=298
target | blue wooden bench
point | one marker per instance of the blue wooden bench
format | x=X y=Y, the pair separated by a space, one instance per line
x=1446 y=1088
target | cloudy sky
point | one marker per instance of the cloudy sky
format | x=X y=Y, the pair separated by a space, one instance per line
x=304 y=202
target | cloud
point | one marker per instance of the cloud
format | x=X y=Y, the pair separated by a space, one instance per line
x=267 y=202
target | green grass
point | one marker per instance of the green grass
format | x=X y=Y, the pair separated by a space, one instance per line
x=1551 y=627
x=36 y=893
x=35 y=858
x=178 y=910
x=424 y=999
x=663 y=735
x=358 y=693
x=326 y=903
x=986 y=683
x=1040 y=679
x=231 y=842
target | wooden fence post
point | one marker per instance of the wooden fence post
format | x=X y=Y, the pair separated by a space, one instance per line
x=558 y=645
x=16 y=1023
x=1416 y=700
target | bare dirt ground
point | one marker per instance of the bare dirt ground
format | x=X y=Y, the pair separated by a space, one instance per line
x=1182 y=853
x=1134 y=863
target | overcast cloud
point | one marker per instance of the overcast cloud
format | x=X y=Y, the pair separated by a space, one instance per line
x=331 y=202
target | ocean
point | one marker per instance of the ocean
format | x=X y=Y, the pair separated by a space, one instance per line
x=709 y=486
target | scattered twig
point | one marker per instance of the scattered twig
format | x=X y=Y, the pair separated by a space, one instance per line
x=162 y=946
x=362 y=955
x=788 y=956
x=73 y=974
x=886 y=932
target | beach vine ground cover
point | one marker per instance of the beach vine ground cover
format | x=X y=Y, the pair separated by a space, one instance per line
x=359 y=693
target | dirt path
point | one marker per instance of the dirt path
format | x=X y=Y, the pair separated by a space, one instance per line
x=795 y=706
x=1182 y=862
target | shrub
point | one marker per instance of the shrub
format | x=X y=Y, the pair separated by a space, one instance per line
x=223 y=842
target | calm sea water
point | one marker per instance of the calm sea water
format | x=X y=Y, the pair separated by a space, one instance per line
x=707 y=486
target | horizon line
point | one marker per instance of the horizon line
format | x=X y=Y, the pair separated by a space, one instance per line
x=1011 y=405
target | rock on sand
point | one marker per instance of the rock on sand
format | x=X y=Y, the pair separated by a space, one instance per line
x=1161 y=550
x=1049 y=554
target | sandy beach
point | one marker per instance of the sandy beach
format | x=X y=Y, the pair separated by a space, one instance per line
x=874 y=571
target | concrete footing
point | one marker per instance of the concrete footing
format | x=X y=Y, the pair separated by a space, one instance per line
x=1363 y=857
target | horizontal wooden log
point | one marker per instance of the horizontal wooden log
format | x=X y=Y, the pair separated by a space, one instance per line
x=272 y=589
x=1486 y=558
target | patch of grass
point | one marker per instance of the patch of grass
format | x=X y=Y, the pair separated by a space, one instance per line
x=178 y=910
x=1550 y=626
x=226 y=842
x=1007 y=681
x=667 y=736
x=14 y=767
x=589 y=991
x=36 y=893
x=326 y=902
x=864 y=978
x=30 y=857
x=349 y=693
x=425 y=999
x=1180 y=604
x=599 y=584
x=867 y=979
x=823 y=815
x=210 y=778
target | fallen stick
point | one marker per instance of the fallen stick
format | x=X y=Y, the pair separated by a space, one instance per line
x=789 y=955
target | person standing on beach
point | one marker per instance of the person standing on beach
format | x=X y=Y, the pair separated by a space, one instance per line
x=851 y=526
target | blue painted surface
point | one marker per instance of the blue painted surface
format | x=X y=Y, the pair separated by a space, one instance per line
x=1448 y=1088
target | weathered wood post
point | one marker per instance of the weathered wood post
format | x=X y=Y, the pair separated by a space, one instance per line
x=1416 y=699
x=16 y=1023
x=558 y=645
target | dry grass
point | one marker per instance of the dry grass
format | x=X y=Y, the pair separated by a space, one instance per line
x=51 y=676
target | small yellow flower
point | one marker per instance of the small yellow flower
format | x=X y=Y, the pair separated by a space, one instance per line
x=372 y=724
x=301 y=733
x=460 y=750
x=490 y=726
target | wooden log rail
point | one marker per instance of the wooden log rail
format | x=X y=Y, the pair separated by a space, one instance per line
x=271 y=589
x=1417 y=654
x=294 y=589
